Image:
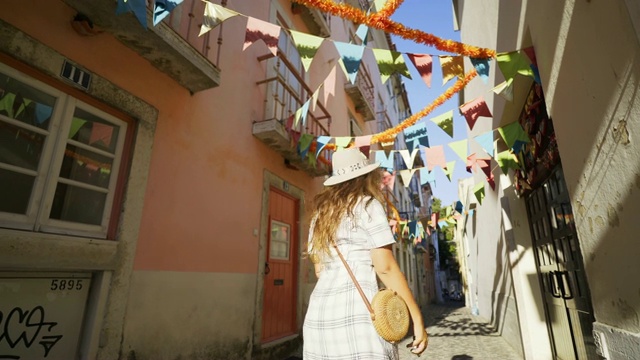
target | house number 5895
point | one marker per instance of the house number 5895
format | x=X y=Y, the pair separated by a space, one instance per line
x=66 y=284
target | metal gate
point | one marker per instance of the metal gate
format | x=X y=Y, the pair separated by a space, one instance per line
x=560 y=269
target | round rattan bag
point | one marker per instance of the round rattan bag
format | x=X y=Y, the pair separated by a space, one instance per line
x=391 y=316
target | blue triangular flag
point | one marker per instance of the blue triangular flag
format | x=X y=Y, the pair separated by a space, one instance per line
x=482 y=68
x=426 y=176
x=459 y=206
x=162 y=8
x=137 y=7
x=413 y=228
x=385 y=162
x=322 y=142
x=536 y=74
x=486 y=141
x=362 y=32
x=351 y=56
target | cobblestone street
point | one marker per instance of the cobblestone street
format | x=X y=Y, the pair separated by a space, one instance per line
x=455 y=334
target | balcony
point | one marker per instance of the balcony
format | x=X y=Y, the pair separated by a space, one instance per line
x=362 y=94
x=315 y=20
x=287 y=92
x=173 y=46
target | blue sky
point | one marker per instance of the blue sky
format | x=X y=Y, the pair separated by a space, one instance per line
x=433 y=16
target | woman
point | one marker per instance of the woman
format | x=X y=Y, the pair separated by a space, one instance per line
x=349 y=213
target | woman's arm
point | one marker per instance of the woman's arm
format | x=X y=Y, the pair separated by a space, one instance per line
x=318 y=268
x=389 y=272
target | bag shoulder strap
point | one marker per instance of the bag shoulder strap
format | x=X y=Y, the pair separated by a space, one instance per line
x=364 y=297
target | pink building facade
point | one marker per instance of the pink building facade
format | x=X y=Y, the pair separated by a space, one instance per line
x=148 y=206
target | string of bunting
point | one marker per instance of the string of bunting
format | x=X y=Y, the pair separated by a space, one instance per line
x=389 y=62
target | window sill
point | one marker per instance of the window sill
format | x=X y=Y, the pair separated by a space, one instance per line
x=24 y=250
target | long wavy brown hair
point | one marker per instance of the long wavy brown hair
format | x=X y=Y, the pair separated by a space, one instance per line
x=334 y=202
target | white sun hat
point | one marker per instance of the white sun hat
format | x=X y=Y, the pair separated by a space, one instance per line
x=349 y=164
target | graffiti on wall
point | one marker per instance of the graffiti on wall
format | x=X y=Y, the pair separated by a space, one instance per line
x=41 y=316
x=26 y=327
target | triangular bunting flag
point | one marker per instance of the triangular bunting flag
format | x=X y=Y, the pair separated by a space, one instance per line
x=449 y=170
x=390 y=62
x=512 y=63
x=379 y=4
x=413 y=228
x=409 y=158
x=507 y=160
x=137 y=7
x=474 y=109
x=482 y=68
x=478 y=191
x=426 y=176
x=485 y=166
x=486 y=141
x=505 y=90
x=459 y=206
x=362 y=32
x=261 y=30
x=343 y=141
x=415 y=132
x=452 y=66
x=351 y=56
x=304 y=144
x=301 y=115
x=512 y=133
x=363 y=143
x=307 y=46
x=162 y=8
x=435 y=157
x=406 y=176
x=388 y=145
x=314 y=98
x=460 y=148
x=322 y=141
x=471 y=163
x=531 y=54
x=329 y=84
x=386 y=162
x=214 y=15
x=445 y=122
x=424 y=64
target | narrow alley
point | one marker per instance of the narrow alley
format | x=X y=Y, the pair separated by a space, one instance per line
x=456 y=334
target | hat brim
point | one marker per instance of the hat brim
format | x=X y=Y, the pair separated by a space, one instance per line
x=337 y=179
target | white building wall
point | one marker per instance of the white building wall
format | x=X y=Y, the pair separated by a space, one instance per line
x=589 y=63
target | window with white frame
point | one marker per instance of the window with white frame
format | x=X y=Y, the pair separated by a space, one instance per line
x=285 y=93
x=59 y=159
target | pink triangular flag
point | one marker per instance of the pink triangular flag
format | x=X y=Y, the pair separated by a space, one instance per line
x=474 y=109
x=424 y=64
x=435 y=157
x=101 y=132
x=258 y=29
x=363 y=143
x=485 y=166
x=471 y=162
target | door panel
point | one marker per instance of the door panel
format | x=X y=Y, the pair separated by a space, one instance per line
x=561 y=270
x=280 y=280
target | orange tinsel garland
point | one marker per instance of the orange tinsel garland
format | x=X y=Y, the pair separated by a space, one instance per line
x=381 y=21
x=389 y=134
x=389 y=8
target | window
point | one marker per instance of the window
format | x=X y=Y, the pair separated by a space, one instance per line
x=287 y=91
x=280 y=240
x=59 y=159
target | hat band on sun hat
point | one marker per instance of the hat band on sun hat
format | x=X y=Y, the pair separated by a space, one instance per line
x=351 y=168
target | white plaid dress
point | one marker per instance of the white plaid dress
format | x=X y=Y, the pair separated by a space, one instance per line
x=338 y=325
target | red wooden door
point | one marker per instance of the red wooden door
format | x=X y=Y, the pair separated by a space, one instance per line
x=280 y=281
